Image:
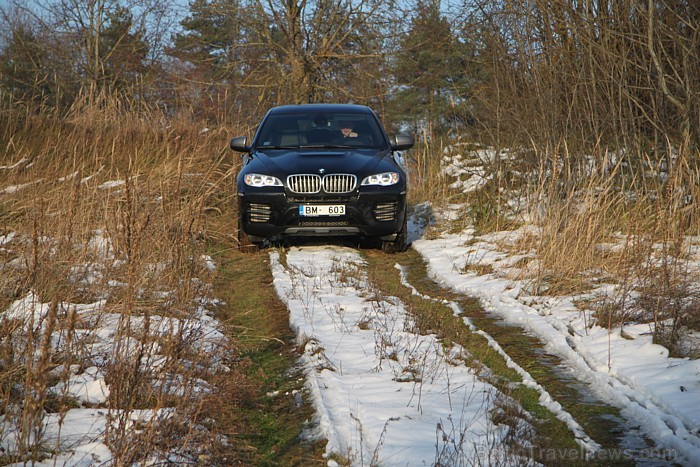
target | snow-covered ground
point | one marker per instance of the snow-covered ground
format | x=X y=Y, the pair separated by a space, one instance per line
x=387 y=394
x=383 y=393
x=101 y=337
x=656 y=393
x=366 y=401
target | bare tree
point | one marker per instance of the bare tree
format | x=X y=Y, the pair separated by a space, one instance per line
x=317 y=43
x=593 y=73
x=264 y=52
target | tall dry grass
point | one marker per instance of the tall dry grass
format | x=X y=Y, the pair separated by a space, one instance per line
x=598 y=218
x=113 y=205
x=601 y=225
x=427 y=182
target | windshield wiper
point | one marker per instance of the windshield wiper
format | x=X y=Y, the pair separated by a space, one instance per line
x=326 y=146
x=277 y=147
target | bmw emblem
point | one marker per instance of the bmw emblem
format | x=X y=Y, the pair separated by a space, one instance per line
x=321 y=170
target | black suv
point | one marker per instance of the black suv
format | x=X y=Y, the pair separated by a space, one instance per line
x=322 y=170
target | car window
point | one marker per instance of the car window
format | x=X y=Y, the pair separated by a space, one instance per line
x=320 y=130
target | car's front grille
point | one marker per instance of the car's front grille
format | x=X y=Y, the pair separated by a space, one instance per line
x=385 y=211
x=339 y=183
x=331 y=183
x=304 y=183
x=258 y=212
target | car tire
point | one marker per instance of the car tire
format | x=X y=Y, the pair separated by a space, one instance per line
x=245 y=245
x=400 y=244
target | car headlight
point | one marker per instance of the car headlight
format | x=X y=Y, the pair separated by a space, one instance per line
x=384 y=179
x=258 y=180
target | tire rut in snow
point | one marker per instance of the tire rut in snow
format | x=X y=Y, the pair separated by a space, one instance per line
x=382 y=391
x=663 y=427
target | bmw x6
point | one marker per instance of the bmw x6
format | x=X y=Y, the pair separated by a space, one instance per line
x=322 y=170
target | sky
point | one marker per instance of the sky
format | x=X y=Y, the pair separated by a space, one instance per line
x=382 y=392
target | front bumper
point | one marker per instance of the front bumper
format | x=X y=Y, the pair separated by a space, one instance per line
x=275 y=215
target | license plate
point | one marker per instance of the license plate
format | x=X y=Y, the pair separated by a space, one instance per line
x=314 y=210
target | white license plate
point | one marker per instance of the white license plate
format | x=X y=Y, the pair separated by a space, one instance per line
x=313 y=210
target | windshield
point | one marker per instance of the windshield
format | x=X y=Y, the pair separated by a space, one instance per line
x=320 y=130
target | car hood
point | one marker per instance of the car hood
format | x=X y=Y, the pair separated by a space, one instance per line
x=305 y=161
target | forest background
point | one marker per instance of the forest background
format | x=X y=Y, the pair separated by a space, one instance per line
x=597 y=75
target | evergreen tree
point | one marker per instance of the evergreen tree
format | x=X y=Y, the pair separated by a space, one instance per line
x=23 y=71
x=124 y=50
x=428 y=69
x=80 y=49
x=223 y=61
x=209 y=37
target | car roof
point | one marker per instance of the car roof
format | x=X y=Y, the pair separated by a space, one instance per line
x=306 y=108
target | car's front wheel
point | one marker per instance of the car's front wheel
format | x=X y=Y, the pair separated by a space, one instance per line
x=400 y=243
x=244 y=242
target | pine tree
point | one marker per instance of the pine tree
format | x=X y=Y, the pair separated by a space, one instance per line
x=428 y=66
x=124 y=50
x=209 y=37
x=23 y=71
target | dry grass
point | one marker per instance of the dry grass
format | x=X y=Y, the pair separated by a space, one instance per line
x=116 y=206
x=648 y=223
x=426 y=180
x=119 y=205
x=597 y=219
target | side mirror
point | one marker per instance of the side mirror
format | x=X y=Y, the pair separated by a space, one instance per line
x=401 y=142
x=240 y=144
